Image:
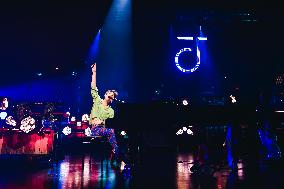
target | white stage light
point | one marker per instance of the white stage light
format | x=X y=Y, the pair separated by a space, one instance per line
x=66 y=130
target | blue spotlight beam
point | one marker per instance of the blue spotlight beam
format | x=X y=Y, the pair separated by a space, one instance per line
x=116 y=50
x=270 y=148
x=228 y=143
x=94 y=49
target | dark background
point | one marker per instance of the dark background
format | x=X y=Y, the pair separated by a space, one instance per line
x=38 y=37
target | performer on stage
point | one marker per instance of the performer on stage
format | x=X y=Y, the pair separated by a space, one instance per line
x=101 y=111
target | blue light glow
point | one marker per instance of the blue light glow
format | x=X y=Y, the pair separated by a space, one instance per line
x=228 y=143
x=185 y=38
x=270 y=148
x=202 y=38
x=94 y=50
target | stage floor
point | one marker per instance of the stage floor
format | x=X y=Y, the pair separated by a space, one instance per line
x=160 y=167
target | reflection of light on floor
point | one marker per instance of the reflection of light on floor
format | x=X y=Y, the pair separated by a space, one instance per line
x=86 y=172
x=122 y=166
x=63 y=172
x=185 y=162
x=189 y=167
x=241 y=174
x=184 y=167
x=106 y=176
x=240 y=166
x=77 y=178
x=221 y=178
x=1 y=143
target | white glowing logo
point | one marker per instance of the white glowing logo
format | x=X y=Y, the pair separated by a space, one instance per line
x=190 y=70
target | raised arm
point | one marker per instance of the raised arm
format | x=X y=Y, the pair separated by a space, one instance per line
x=94 y=76
x=95 y=95
x=94 y=90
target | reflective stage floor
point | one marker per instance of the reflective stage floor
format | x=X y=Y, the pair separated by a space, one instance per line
x=158 y=168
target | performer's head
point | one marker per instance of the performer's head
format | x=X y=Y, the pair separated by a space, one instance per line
x=110 y=95
x=4 y=103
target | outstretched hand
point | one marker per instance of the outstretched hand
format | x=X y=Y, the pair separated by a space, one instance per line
x=94 y=67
